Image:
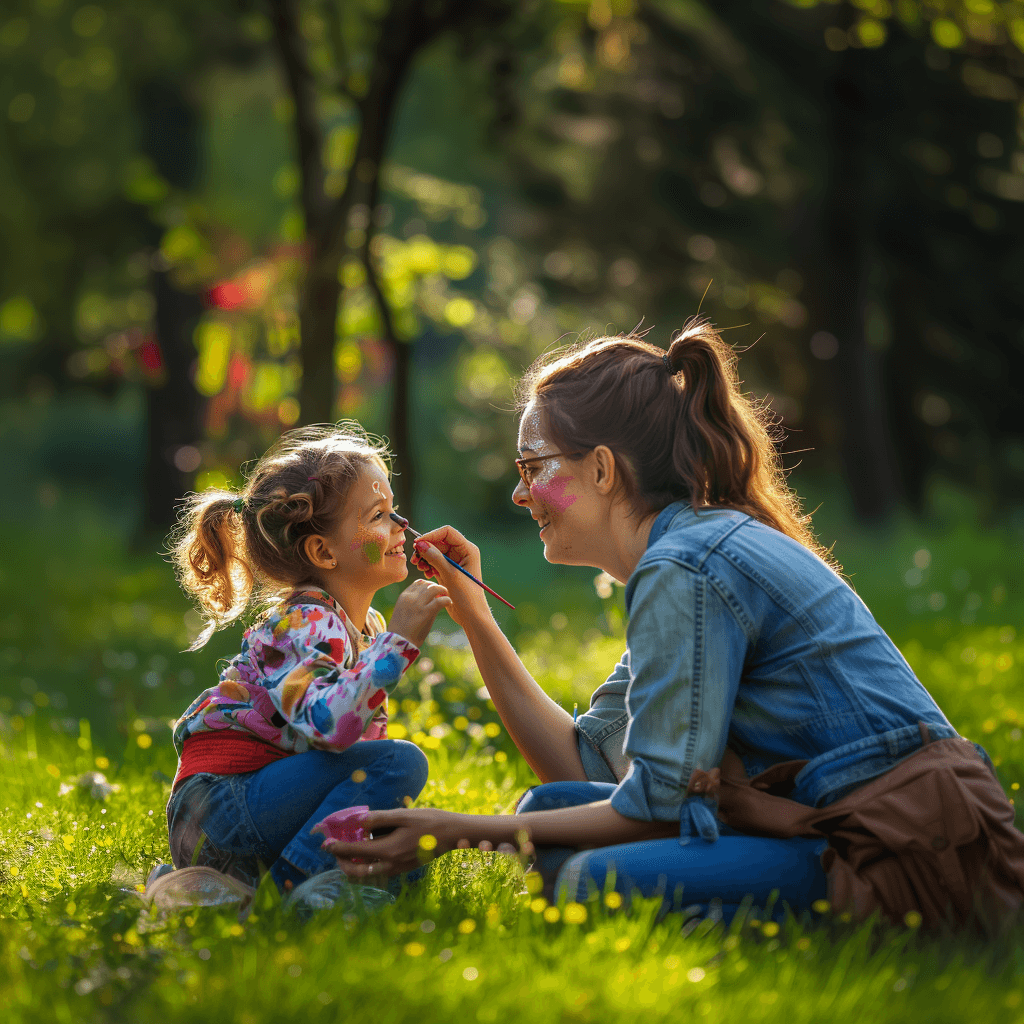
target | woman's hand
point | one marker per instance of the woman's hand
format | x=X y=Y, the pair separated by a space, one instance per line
x=416 y=608
x=467 y=599
x=401 y=850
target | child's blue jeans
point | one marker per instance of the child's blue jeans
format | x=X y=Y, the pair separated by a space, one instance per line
x=688 y=873
x=243 y=824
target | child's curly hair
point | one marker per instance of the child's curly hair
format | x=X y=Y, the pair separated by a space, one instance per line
x=235 y=549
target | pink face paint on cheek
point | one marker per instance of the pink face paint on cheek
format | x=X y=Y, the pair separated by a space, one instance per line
x=552 y=492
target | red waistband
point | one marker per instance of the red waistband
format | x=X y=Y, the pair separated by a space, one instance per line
x=226 y=752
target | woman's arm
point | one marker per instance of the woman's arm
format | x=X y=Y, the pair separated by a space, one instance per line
x=589 y=825
x=543 y=731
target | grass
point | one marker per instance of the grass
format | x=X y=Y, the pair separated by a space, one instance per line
x=90 y=675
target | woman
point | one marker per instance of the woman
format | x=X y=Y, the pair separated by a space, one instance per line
x=654 y=467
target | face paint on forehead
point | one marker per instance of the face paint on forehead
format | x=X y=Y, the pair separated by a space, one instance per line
x=376 y=488
x=530 y=435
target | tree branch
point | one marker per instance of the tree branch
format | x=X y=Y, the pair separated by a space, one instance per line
x=302 y=84
x=336 y=34
x=402 y=33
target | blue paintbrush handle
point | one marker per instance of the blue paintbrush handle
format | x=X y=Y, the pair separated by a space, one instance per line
x=465 y=572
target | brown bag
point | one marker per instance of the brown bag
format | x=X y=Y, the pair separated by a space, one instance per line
x=934 y=835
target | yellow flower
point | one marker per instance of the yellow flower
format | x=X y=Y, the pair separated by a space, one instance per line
x=574 y=913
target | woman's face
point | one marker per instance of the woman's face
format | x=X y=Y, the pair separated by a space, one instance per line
x=557 y=495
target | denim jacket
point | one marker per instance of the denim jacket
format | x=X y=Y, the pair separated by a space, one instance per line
x=740 y=636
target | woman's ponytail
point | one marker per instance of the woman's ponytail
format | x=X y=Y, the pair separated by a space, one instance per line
x=208 y=550
x=718 y=443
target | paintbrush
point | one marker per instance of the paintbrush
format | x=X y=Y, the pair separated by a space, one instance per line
x=404 y=524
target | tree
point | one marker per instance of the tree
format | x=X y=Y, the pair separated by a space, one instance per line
x=364 y=62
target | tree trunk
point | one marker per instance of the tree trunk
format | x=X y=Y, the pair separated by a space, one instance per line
x=318 y=316
x=847 y=237
x=174 y=409
x=404 y=482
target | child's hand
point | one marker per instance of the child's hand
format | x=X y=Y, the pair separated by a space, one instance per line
x=416 y=608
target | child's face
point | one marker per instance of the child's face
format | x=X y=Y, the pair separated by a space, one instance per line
x=367 y=544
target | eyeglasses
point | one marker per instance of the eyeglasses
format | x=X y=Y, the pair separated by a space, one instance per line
x=529 y=472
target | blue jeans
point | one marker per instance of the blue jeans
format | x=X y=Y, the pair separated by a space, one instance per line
x=687 y=872
x=242 y=824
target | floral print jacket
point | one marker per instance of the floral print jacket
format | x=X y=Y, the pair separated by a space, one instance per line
x=304 y=678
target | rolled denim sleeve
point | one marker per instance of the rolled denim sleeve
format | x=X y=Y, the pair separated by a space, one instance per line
x=686 y=655
x=600 y=731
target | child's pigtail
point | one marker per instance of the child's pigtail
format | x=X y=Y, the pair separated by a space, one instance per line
x=208 y=551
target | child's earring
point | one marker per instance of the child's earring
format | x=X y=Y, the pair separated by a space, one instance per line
x=334 y=565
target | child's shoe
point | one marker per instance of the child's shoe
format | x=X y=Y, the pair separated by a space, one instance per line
x=333 y=889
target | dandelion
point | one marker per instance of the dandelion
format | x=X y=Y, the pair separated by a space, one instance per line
x=428 y=843
x=821 y=906
x=769 y=929
x=144 y=740
x=574 y=913
x=415 y=949
x=539 y=905
x=621 y=945
x=912 y=919
x=467 y=926
x=613 y=900
x=552 y=914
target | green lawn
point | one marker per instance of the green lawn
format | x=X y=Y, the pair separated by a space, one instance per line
x=91 y=674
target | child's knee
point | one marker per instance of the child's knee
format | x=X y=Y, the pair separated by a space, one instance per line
x=413 y=765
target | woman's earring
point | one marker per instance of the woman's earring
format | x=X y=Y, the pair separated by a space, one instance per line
x=334 y=565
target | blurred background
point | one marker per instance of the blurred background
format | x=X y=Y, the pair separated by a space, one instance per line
x=221 y=219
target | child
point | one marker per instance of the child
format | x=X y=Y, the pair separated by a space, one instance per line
x=296 y=727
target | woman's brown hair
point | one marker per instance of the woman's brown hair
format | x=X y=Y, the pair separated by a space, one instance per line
x=235 y=549
x=677 y=423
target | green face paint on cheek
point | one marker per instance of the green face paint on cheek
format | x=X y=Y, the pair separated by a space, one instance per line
x=373 y=551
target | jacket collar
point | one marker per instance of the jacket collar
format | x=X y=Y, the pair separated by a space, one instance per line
x=664 y=520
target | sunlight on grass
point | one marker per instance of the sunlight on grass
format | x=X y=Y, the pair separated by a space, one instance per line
x=473 y=942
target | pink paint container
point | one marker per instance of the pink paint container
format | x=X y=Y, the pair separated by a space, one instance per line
x=344 y=826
